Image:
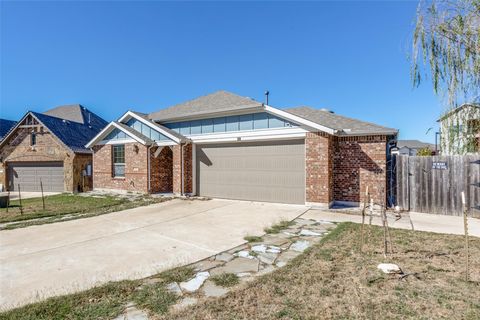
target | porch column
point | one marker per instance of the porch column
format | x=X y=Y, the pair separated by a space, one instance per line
x=187 y=169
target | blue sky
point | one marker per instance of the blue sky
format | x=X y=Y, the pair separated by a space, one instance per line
x=350 y=57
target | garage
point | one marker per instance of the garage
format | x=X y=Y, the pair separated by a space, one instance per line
x=258 y=171
x=29 y=174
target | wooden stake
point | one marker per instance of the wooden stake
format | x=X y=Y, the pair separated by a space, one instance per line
x=20 y=199
x=465 y=227
x=43 y=198
x=363 y=219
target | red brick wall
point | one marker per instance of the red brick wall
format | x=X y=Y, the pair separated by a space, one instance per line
x=177 y=169
x=136 y=172
x=319 y=167
x=359 y=162
x=161 y=172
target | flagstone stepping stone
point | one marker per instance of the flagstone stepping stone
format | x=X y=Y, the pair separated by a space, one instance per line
x=300 y=245
x=244 y=254
x=274 y=241
x=243 y=274
x=260 y=248
x=174 y=288
x=207 y=265
x=306 y=232
x=238 y=265
x=273 y=249
x=239 y=248
x=285 y=257
x=185 y=302
x=266 y=270
x=194 y=284
x=224 y=256
x=268 y=258
x=132 y=313
x=210 y=289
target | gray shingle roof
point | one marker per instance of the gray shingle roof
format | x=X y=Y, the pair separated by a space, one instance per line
x=414 y=144
x=334 y=121
x=72 y=112
x=135 y=133
x=216 y=102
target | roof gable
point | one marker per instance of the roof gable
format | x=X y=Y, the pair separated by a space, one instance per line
x=220 y=101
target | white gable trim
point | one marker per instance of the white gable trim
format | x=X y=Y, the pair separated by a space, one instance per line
x=300 y=120
x=152 y=125
x=109 y=128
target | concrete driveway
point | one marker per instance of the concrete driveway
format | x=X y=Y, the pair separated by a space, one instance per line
x=47 y=260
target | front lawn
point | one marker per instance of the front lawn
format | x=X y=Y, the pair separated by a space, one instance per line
x=67 y=207
x=331 y=280
x=335 y=280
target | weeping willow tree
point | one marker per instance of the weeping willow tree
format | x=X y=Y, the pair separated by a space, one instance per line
x=446 y=47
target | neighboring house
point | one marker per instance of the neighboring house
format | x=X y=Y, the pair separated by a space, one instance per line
x=5 y=126
x=460 y=130
x=50 y=147
x=227 y=146
x=411 y=147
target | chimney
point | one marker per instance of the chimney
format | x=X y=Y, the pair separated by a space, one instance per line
x=266 y=97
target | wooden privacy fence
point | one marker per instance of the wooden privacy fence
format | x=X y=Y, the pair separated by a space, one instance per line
x=434 y=184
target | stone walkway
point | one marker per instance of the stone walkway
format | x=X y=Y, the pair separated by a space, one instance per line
x=246 y=261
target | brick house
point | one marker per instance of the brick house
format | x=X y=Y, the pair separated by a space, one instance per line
x=227 y=146
x=50 y=147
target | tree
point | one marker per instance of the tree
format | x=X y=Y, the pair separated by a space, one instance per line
x=446 y=45
x=424 y=152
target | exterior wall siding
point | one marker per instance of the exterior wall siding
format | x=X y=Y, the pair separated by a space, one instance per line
x=18 y=149
x=360 y=162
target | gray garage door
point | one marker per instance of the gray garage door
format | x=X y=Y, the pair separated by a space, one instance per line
x=29 y=174
x=260 y=171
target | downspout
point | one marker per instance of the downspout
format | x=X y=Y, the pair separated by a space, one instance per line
x=148 y=167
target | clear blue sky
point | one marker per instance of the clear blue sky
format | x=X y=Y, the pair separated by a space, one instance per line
x=350 y=57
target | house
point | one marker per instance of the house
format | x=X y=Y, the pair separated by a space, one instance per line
x=227 y=146
x=460 y=130
x=411 y=147
x=5 y=126
x=50 y=148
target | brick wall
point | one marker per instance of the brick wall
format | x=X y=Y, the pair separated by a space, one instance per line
x=359 y=162
x=136 y=172
x=18 y=149
x=318 y=167
x=177 y=167
x=161 y=170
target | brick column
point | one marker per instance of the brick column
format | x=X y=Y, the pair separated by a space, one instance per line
x=177 y=168
x=319 y=168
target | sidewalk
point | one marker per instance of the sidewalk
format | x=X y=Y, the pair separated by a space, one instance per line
x=419 y=221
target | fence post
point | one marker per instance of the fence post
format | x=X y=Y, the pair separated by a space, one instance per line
x=43 y=198
x=465 y=227
x=20 y=199
x=363 y=219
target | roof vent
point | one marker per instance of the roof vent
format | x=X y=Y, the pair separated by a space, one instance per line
x=327 y=110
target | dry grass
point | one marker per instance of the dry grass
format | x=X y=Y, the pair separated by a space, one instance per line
x=335 y=280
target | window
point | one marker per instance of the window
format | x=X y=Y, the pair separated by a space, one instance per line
x=118 y=157
x=33 y=138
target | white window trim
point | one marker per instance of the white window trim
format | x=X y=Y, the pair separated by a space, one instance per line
x=279 y=133
x=150 y=124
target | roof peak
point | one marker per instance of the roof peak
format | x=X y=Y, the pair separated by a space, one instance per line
x=70 y=112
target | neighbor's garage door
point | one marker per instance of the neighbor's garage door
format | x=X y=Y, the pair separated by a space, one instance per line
x=29 y=174
x=260 y=171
